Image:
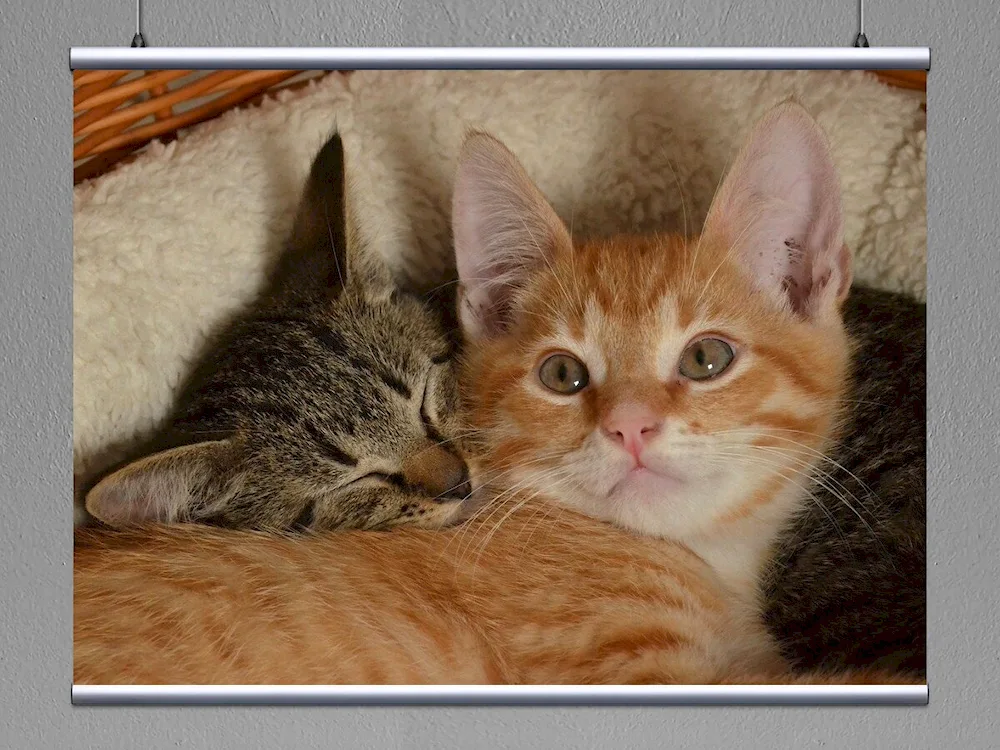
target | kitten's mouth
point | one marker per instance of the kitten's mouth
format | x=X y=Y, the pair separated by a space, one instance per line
x=665 y=475
x=647 y=483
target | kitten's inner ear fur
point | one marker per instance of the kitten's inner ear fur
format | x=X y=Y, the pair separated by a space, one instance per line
x=165 y=487
x=779 y=212
x=503 y=229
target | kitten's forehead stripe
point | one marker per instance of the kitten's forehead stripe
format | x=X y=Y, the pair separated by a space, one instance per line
x=273 y=409
x=330 y=339
x=630 y=275
x=331 y=449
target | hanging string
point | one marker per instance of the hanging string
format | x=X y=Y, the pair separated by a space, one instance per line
x=137 y=40
x=860 y=40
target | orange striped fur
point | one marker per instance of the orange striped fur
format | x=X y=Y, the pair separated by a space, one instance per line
x=547 y=597
x=537 y=587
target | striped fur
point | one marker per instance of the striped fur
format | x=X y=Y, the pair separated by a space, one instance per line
x=535 y=588
x=547 y=597
x=848 y=586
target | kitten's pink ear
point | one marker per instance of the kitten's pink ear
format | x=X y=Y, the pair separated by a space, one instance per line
x=779 y=211
x=165 y=487
x=503 y=227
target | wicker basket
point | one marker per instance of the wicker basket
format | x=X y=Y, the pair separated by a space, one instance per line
x=117 y=112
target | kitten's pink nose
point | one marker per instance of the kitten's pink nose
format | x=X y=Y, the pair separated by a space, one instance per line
x=631 y=426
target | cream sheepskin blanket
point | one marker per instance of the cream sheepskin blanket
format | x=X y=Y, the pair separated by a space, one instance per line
x=169 y=247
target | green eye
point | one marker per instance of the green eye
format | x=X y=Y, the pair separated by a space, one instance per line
x=564 y=374
x=705 y=359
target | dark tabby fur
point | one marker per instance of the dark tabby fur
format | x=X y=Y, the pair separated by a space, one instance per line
x=332 y=405
x=850 y=590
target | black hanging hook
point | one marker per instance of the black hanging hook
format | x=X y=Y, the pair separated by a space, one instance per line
x=137 y=40
x=861 y=40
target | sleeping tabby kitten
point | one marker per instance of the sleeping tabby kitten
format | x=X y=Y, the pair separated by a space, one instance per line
x=334 y=405
x=637 y=380
x=848 y=586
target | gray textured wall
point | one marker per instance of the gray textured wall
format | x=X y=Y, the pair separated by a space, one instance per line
x=35 y=361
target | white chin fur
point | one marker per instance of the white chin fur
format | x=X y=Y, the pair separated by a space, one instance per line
x=653 y=505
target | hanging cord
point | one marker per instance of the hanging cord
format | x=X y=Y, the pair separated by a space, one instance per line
x=860 y=40
x=137 y=40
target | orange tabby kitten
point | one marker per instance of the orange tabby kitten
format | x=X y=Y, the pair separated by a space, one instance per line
x=650 y=382
x=681 y=389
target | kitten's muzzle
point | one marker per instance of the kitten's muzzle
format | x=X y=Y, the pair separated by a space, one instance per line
x=439 y=473
x=459 y=491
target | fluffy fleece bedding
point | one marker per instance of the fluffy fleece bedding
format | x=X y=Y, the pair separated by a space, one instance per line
x=168 y=247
